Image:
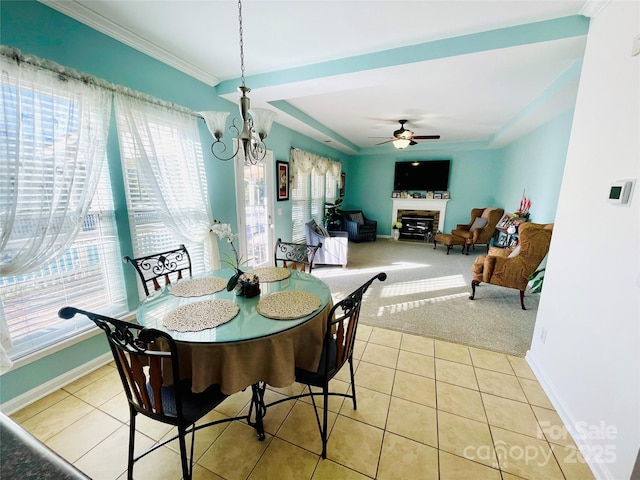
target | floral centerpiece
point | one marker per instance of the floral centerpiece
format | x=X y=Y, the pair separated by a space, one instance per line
x=396 y=225
x=523 y=210
x=249 y=285
x=223 y=232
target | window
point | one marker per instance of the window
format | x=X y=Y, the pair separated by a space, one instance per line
x=300 y=207
x=164 y=178
x=87 y=276
x=315 y=184
x=317 y=197
x=59 y=243
x=309 y=196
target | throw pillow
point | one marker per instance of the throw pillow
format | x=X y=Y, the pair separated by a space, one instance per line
x=515 y=252
x=479 y=222
x=315 y=227
x=323 y=230
x=357 y=217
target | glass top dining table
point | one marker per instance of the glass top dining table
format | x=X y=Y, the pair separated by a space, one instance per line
x=248 y=324
x=250 y=347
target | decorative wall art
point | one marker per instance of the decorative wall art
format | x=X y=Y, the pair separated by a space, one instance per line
x=282 y=174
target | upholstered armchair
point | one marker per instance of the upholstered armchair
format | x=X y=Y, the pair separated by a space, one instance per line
x=335 y=244
x=478 y=231
x=359 y=227
x=511 y=268
x=481 y=228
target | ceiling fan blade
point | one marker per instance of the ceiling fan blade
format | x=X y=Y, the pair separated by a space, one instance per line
x=426 y=137
x=377 y=137
x=386 y=142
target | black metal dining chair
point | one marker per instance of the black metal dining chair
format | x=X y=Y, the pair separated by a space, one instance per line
x=296 y=256
x=337 y=349
x=144 y=357
x=161 y=267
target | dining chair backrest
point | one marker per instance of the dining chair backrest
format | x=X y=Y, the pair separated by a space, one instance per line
x=161 y=267
x=337 y=349
x=147 y=361
x=341 y=329
x=296 y=256
x=135 y=348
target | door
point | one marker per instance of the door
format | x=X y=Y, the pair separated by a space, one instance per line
x=255 y=193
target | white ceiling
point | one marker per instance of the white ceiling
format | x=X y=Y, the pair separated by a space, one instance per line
x=381 y=61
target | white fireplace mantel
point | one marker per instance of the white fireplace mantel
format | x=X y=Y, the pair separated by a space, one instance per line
x=439 y=205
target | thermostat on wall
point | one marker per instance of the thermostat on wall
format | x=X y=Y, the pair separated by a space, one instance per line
x=619 y=192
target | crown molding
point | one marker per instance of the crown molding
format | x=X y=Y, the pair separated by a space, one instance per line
x=592 y=8
x=82 y=13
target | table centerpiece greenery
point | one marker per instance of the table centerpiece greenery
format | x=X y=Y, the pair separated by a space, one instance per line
x=223 y=232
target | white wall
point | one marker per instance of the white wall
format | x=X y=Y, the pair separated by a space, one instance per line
x=589 y=363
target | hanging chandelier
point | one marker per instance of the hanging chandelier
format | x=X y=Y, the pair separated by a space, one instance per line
x=255 y=122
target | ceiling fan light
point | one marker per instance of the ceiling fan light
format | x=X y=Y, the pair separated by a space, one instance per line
x=401 y=143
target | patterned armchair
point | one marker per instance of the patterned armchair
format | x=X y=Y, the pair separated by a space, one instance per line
x=512 y=267
x=481 y=228
x=359 y=227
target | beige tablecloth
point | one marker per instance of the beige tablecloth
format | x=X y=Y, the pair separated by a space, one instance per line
x=272 y=359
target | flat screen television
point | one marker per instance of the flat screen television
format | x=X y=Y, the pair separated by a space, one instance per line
x=429 y=175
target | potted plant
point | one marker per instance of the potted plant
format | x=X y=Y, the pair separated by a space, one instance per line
x=332 y=216
x=537 y=278
x=395 y=229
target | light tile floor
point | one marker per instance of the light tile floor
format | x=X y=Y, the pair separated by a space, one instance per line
x=427 y=409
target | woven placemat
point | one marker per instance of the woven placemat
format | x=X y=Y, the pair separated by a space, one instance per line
x=198 y=316
x=198 y=287
x=288 y=305
x=271 y=274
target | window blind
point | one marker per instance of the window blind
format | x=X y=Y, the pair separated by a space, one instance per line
x=300 y=207
x=317 y=197
x=308 y=198
x=87 y=276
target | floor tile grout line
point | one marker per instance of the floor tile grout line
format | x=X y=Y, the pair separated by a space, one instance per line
x=384 y=429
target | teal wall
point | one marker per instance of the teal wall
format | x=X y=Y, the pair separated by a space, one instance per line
x=535 y=164
x=39 y=30
x=472 y=182
x=478 y=177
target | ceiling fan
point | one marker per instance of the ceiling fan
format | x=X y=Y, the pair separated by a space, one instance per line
x=403 y=137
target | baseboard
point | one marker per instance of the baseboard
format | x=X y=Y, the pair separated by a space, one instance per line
x=588 y=450
x=41 y=391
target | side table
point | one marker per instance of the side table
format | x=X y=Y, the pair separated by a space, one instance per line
x=503 y=239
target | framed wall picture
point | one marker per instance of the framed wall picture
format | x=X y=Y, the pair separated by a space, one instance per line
x=504 y=221
x=282 y=174
x=445 y=195
x=343 y=183
x=437 y=196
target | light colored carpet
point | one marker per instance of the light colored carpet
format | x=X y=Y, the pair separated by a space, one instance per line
x=426 y=293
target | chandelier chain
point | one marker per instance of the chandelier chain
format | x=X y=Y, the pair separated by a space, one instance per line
x=249 y=135
x=241 y=42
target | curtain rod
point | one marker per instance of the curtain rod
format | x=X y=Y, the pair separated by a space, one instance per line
x=66 y=73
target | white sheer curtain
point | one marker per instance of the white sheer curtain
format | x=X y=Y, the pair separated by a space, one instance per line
x=52 y=147
x=52 y=144
x=164 y=141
